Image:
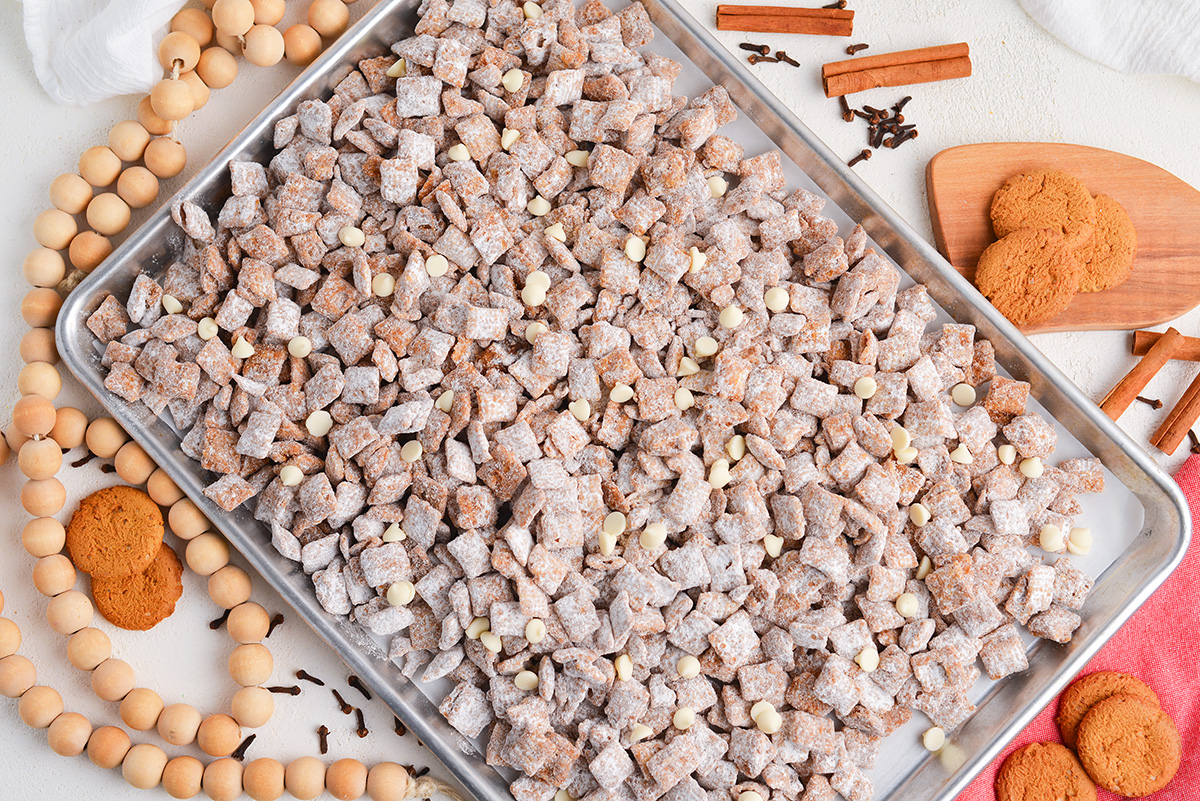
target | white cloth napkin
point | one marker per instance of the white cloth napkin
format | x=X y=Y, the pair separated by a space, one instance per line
x=1154 y=36
x=88 y=50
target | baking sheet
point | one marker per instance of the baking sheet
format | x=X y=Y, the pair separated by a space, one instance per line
x=1138 y=522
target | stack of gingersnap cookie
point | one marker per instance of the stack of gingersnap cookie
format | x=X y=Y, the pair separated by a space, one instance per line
x=1116 y=736
x=1054 y=240
x=116 y=536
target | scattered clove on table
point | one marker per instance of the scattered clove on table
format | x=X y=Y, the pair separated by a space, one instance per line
x=304 y=675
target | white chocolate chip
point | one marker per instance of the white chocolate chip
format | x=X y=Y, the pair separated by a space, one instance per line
x=411 y=451
x=533 y=330
x=351 y=236
x=624 y=667
x=688 y=667
x=907 y=604
x=383 y=285
x=445 y=401
x=706 y=346
x=698 y=259
x=399 y=69
x=773 y=545
x=401 y=593
x=577 y=158
x=171 y=305
x=394 y=533
x=718 y=474
x=207 y=328
x=539 y=206
x=901 y=439
x=683 y=718
x=620 y=393
x=635 y=248
x=581 y=410
x=526 y=680
x=639 y=732
x=865 y=387
x=736 y=447
x=615 y=523
x=717 y=186
x=1050 y=538
x=437 y=265
x=684 y=399
x=607 y=542
x=934 y=738
x=241 y=349
x=539 y=279
x=1031 y=467
x=731 y=317
x=918 y=514
x=1006 y=453
x=925 y=568
x=535 y=631
x=532 y=10
x=769 y=722
x=868 y=659
x=556 y=231
x=759 y=707
x=1079 y=542
x=508 y=137
x=687 y=366
x=491 y=642
x=777 y=299
x=318 y=423
x=299 y=346
x=533 y=295
x=906 y=455
x=653 y=536
x=478 y=626
x=961 y=455
x=749 y=795
x=563 y=795
x=963 y=394
x=459 y=152
x=512 y=80
x=290 y=475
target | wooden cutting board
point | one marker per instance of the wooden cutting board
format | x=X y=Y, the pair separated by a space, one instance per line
x=1165 y=212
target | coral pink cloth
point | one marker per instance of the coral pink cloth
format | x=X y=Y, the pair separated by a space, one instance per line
x=1158 y=645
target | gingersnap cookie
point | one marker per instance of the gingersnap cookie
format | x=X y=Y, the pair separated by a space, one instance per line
x=1114 y=244
x=141 y=601
x=1087 y=691
x=1043 y=772
x=1029 y=275
x=1046 y=199
x=1129 y=746
x=115 y=532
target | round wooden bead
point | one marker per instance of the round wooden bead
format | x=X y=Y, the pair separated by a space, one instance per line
x=179 y=723
x=171 y=99
x=69 y=612
x=151 y=121
x=105 y=437
x=268 y=12
x=38 y=345
x=99 y=165
x=264 y=46
x=199 y=89
x=39 y=307
x=219 y=735
x=87 y=648
x=206 y=554
x=54 y=229
x=301 y=44
x=108 y=214
x=229 y=587
x=5 y=451
x=195 y=23
x=17 y=674
x=33 y=415
x=141 y=708
x=133 y=464
x=328 y=17
x=40 y=459
x=387 y=781
x=113 y=679
x=233 y=17
x=252 y=707
x=346 y=779
x=161 y=489
x=137 y=186
x=10 y=637
x=53 y=575
x=304 y=778
x=248 y=622
x=251 y=664
x=45 y=267
x=43 y=498
x=88 y=249
x=165 y=157
x=223 y=780
x=70 y=425
x=186 y=520
x=43 y=536
x=143 y=766
x=182 y=777
x=128 y=139
x=178 y=46
x=13 y=440
x=39 y=378
x=70 y=193
x=68 y=734
x=108 y=746
x=39 y=706
x=263 y=779
x=217 y=67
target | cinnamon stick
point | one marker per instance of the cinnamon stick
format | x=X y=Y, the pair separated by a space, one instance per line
x=1189 y=348
x=1179 y=422
x=922 y=65
x=1119 y=397
x=782 y=19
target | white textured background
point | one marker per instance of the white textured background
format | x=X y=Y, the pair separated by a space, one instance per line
x=1026 y=87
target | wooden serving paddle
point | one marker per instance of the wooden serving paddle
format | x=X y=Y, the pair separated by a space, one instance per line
x=1165 y=212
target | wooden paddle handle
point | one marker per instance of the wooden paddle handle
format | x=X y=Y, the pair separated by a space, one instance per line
x=1127 y=389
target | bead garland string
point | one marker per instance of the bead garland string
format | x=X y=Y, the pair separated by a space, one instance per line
x=40 y=434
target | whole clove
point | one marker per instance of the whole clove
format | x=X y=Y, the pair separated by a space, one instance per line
x=107 y=468
x=421 y=771
x=216 y=624
x=863 y=156
x=239 y=753
x=304 y=675
x=346 y=708
x=399 y=727
x=761 y=49
x=293 y=690
x=1153 y=403
x=362 y=730
x=786 y=59
x=903 y=137
x=847 y=112
x=854 y=48
x=275 y=621
x=756 y=59
x=356 y=683
x=323 y=739
x=1195 y=441
x=838 y=4
x=900 y=106
x=80 y=462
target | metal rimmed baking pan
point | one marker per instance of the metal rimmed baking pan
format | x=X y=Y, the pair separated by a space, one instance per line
x=1142 y=504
